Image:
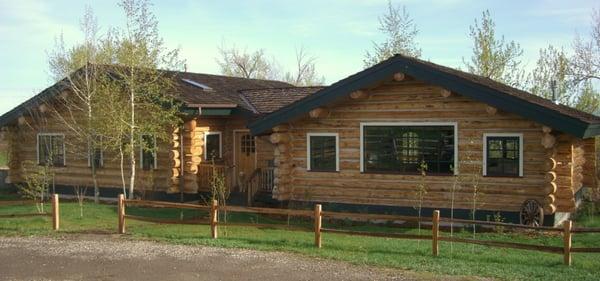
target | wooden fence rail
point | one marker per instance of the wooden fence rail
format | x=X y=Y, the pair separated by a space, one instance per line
x=318 y=214
x=54 y=213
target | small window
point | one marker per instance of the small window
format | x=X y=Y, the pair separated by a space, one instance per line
x=95 y=153
x=148 y=152
x=248 y=145
x=212 y=146
x=503 y=155
x=51 y=149
x=322 y=152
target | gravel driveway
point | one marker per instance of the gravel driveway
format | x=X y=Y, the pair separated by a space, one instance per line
x=104 y=257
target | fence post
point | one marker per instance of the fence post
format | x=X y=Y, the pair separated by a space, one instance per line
x=318 y=219
x=567 y=225
x=121 y=210
x=214 y=215
x=55 y=212
x=435 y=233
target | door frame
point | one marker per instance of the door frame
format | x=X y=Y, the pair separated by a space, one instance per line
x=235 y=168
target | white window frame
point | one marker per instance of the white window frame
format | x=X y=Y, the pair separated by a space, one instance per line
x=37 y=146
x=153 y=152
x=101 y=155
x=519 y=135
x=408 y=124
x=337 y=148
x=206 y=134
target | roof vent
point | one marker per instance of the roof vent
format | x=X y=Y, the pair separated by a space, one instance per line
x=196 y=84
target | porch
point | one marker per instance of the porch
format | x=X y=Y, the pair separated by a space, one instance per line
x=244 y=189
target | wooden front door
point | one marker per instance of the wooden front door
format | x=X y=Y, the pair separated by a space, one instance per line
x=245 y=155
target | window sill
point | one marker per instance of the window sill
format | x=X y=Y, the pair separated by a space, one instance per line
x=409 y=174
x=502 y=176
x=322 y=171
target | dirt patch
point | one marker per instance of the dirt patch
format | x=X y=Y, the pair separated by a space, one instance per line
x=108 y=257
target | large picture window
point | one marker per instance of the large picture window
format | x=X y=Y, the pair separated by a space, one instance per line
x=212 y=146
x=51 y=149
x=322 y=152
x=401 y=148
x=503 y=155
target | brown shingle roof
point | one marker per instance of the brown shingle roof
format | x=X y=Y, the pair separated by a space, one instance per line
x=266 y=101
x=224 y=89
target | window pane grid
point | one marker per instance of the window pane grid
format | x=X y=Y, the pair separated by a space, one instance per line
x=503 y=157
x=403 y=148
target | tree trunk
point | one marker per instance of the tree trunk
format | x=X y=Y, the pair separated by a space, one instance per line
x=122 y=155
x=132 y=142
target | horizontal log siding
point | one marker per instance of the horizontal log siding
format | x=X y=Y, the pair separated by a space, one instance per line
x=415 y=102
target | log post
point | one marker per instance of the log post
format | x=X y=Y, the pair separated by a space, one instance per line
x=55 y=212
x=214 y=213
x=435 y=233
x=121 y=210
x=567 y=225
x=399 y=76
x=318 y=220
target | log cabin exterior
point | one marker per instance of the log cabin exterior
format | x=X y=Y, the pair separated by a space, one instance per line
x=360 y=143
x=216 y=111
x=370 y=142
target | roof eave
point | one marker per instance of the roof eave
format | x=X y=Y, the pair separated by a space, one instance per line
x=448 y=81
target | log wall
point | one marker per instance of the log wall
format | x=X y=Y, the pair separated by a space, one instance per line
x=412 y=101
x=22 y=142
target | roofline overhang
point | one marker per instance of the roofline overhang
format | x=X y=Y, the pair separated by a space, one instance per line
x=385 y=70
x=212 y=105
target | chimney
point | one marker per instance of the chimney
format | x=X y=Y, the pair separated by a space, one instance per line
x=553 y=88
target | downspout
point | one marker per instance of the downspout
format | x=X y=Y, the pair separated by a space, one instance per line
x=181 y=166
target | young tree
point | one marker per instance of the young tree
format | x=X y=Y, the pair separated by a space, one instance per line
x=151 y=108
x=77 y=69
x=586 y=61
x=494 y=57
x=400 y=31
x=306 y=74
x=550 y=74
x=241 y=63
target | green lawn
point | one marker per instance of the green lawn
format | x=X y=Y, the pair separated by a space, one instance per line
x=506 y=264
x=3 y=158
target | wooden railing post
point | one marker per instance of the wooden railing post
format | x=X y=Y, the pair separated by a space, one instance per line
x=435 y=229
x=55 y=212
x=567 y=226
x=121 y=210
x=214 y=215
x=318 y=220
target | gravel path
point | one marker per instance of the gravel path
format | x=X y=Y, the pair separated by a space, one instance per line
x=104 y=257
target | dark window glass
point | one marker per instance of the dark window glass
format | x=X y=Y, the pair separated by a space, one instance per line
x=323 y=153
x=148 y=152
x=51 y=150
x=213 y=146
x=401 y=149
x=502 y=156
x=95 y=152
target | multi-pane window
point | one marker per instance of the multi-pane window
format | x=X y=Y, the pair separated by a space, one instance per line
x=248 y=145
x=212 y=145
x=95 y=153
x=322 y=152
x=503 y=156
x=402 y=148
x=148 y=154
x=51 y=149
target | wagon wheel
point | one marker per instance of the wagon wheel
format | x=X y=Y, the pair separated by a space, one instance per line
x=532 y=213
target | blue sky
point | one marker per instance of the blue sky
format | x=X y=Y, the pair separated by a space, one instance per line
x=337 y=32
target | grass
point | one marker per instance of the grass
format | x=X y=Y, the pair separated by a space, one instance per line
x=3 y=158
x=504 y=264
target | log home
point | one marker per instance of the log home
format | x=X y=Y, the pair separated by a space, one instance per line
x=370 y=142
x=382 y=137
